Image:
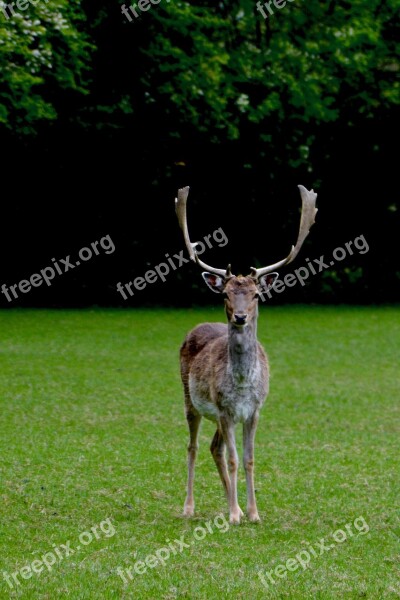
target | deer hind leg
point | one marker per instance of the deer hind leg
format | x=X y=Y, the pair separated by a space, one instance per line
x=228 y=431
x=217 y=449
x=193 y=419
x=249 y=431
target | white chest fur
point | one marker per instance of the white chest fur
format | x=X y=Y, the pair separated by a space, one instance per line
x=235 y=395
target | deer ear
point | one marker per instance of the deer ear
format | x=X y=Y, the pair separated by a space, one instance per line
x=267 y=281
x=214 y=282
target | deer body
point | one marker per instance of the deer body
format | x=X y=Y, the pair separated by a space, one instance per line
x=224 y=369
x=229 y=374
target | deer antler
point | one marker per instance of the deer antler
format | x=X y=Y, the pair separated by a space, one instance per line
x=308 y=212
x=180 y=208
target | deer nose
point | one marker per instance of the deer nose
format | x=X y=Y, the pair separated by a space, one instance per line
x=240 y=319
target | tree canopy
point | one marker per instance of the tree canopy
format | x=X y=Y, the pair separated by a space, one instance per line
x=212 y=92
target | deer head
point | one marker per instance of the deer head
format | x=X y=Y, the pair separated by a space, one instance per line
x=241 y=293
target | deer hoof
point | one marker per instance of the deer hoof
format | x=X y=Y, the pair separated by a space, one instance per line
x=234 y=517
x=254 y=517
x=188 y=510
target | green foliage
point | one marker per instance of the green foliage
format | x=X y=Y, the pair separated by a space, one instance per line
x=214 y=68
x=43 y=55
x=225 y=67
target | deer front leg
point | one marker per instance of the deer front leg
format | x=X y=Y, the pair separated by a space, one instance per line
x=228 y=431
x=249 y=431
x=193 y=420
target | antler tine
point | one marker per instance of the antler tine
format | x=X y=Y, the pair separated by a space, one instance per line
x=308 y=212
x=180 y=208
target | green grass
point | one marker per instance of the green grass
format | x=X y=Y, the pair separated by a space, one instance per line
x=92 y=427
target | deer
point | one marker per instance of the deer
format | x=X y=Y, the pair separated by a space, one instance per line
x=224 y=368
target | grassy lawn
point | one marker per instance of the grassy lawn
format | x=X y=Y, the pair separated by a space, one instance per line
x=93 y=454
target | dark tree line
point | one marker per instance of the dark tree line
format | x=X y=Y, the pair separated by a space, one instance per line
x=103 y=119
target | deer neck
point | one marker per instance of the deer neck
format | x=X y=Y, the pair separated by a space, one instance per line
x=242 y=349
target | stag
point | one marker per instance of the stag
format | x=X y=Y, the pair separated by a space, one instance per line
x=224 y=369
